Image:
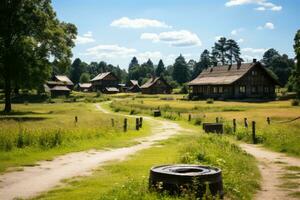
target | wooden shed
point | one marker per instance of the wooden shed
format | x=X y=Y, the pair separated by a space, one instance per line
x=60 y=91
x=133 y=86
x=247 y=80
x=156 y=85
x=63 y=79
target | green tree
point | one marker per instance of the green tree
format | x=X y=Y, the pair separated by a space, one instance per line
x=77 y=68
x=85 y=78
x=180 y=71
x=31 y=39
x=281 y=65
x=220 y=50
x=233 y=51
x=294 y=79
x=160 y=69
x=204 y=63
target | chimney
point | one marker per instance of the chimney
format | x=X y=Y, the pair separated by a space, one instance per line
x=239 y=63
x=254 y=60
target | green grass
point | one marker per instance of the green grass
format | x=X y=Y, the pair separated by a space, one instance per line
x=129 y=179
x=281 y=137
x=23 y=142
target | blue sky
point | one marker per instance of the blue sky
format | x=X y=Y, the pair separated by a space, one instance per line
x=117 y=30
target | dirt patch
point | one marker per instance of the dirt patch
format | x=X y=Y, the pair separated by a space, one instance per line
x=273 y=167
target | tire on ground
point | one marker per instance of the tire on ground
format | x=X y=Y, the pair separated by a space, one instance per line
x=177 y=179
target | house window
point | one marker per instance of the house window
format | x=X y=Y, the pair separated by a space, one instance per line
x=215 y=90
x=220 y=89
x=254 y=73
x=254 y=89
x=266 y=89
x=242 y=89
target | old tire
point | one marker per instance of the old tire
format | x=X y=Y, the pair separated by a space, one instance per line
x=177 y=178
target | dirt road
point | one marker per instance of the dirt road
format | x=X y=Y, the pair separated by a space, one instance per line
x=273 y=169
x=47 y=174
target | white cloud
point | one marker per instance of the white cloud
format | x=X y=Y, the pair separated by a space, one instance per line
x=109 y=51
x=267 y=25
x=262 y=4
x=236 y=31
x=85 y=38
x=182 y=38
x=126 y=22
x=241 y=40
x=153 y=55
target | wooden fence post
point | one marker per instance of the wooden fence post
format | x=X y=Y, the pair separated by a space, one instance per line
x=217 y=119
x=245 y=122
x=76 y=119
x=112 y=122
x=137 y=124
x=141 y=122
x=253 y=132
x=234 y=125
x=190 y=117
x=125 y=125
x=268 y=120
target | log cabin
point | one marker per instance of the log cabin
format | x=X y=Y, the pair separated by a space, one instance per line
x=156 y=85
x=238 y=81
x=105 y=80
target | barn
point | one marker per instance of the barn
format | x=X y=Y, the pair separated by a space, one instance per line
x=105 y=80
x=238 y=81
x=156 y=85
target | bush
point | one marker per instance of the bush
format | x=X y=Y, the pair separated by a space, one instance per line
x=198 y=121
x=210 y=101
x=184 y=89
x=295 y=102
x=133 y=112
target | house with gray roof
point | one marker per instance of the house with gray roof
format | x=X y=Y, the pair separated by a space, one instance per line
x=237 y=81
x=105 y=82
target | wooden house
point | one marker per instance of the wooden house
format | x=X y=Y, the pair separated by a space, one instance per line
x=105 y=80
x=247 y=80
x=63 y=79
x=60 y=91
x=156 y=85
x=133 y=86
x=85 y=87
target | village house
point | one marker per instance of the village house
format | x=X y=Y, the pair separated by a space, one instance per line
x=105 y=82
x=64 y=79
x=85 y=87
x=57 y=90
x=156 y=85
x=133 y=86
x=247 y=80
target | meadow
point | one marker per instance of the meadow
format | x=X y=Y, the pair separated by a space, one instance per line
x=41 y=131
x=281 y=134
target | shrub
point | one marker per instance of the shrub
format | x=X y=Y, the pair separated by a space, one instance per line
x=198 y=121
x=210 y=101
x=99 y=94
x=295 y=102
x=133 y=112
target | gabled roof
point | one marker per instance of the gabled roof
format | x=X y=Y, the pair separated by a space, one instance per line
x=226 y=74
x=85 y=85
x=102 y=76
x=65 y=79
x=152 y=81
x=134 y=82
x=60 y=88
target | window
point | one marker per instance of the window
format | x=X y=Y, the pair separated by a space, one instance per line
x=242 y=89
x=266 y=89
x=254 y=89
x=220 y=89
x=254 y=73
x=215 y=90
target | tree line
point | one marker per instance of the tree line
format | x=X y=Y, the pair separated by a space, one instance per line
x=34 y=45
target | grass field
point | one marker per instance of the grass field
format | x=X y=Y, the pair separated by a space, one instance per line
x=41 y=131
x=282 y=137
x=129 y=179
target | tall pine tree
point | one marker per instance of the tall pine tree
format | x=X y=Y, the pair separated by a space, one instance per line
x=160 y=69
x=180 y=71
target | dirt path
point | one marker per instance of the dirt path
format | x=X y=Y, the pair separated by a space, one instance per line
x=47 y=174
x=273 y=167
